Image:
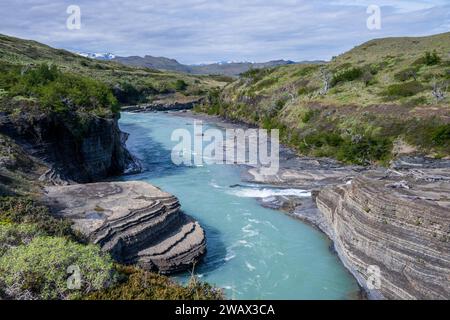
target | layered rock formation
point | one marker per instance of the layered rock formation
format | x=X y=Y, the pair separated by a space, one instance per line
x=134 y=221
x=74 y=150
x=398 y=221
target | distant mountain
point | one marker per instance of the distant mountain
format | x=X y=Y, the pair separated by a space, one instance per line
x=98 y=56
x=159 y=63
x=220 y=68
x=227 y=68
x=234 y=68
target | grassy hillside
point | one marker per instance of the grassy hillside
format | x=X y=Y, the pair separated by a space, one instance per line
x=131 y=84
x=381 y=99
x=55 y=91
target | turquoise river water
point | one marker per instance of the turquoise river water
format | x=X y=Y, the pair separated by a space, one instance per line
x=253 y=252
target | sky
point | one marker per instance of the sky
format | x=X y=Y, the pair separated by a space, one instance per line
x=204 y=31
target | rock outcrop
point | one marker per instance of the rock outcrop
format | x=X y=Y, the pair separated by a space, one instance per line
x=134 y=221
x=74 y=150
x=398 y=221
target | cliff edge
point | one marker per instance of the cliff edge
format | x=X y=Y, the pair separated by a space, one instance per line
x=397 y=221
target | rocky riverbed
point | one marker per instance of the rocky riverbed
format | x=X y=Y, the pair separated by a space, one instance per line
x=134 y=221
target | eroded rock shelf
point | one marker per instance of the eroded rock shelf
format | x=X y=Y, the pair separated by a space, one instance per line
x=134 y=221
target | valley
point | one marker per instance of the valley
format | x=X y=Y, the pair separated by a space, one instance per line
x=365 y=159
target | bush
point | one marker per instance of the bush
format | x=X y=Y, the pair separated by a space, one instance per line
x=57 y=91
x=25 y=210
x=308 y=115
x=406 y=89
x=265 y=83
x=13 y=235
x=318 y=140
x=39 y=270
x=347 y=75
x=257 y=74
x=440 y=136
x=137 y=284
x=431 y=58
x=180 y=85
x=365 y=150
x=306 y=90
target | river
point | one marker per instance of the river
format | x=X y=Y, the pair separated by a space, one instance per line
x=253 y=252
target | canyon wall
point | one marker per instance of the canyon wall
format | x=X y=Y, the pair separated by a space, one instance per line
x=75 y=149
x=398 y=221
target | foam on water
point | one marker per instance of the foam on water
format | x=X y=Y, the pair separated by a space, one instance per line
x=267 y=192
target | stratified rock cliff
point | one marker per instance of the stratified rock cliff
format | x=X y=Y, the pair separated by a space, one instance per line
x=397 y=220
x=75 y=149
x=134 y=221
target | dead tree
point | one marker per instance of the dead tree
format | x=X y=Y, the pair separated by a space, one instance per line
x=439 y=90
x=326 y=77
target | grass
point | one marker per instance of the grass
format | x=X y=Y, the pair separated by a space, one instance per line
x=36 y=250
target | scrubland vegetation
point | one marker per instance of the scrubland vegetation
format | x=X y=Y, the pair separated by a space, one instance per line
x=363 y=107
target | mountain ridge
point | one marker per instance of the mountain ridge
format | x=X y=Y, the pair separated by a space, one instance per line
x=233 y=68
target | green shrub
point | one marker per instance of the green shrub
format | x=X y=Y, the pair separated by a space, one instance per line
x=440 y=136
x=180 y=85
x=365 y=151
x=57 y=91
x=431 y=58
x=320 y=139
x=25 y=210
x=265 y=83
x=257 y=74
x=406 y=89
x=304 y=71
x=13 y=235
x=280 y=103
x=39 y=269
x=306 y=90
x=308 y=115
x=137 y=284
x=428 y=59
x=347 y=75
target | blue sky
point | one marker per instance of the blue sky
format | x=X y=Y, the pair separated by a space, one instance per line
x=200 y=31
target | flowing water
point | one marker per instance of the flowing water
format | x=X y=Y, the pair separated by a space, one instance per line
x=253 y=252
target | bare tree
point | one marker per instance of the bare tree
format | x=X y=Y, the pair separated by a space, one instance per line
x=326 y=76
x=439 y=90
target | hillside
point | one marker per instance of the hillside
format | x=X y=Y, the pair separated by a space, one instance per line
x=130 y=84
x=383 y=98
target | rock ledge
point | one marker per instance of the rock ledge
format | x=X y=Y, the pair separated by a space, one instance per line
x=134 y=221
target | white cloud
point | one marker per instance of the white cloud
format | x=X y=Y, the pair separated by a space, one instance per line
x=195 y=31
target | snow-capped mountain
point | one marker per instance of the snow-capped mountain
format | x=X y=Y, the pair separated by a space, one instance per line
x=98 y=56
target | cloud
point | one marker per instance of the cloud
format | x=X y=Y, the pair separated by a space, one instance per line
x=195 y=31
